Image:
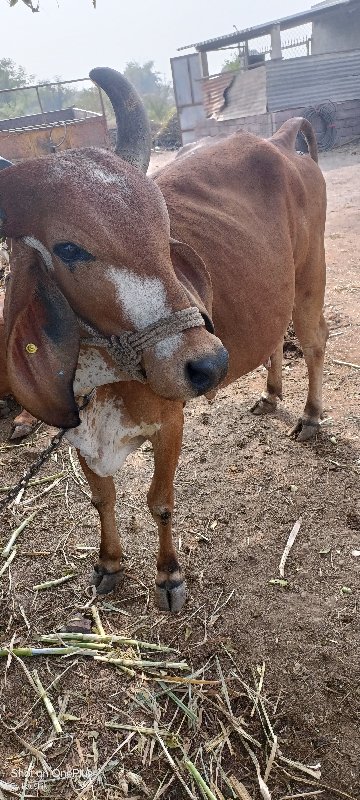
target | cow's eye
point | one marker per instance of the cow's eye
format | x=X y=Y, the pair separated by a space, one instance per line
x=70 y=252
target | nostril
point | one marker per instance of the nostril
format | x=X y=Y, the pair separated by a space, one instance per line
x=200 y=373
x=205 y=373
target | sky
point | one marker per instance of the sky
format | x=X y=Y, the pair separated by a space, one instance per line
x=69 y=37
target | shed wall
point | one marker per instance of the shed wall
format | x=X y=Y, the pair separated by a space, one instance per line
x=247 y=94
x=40 y=141
x=313 y=79
x=187 y=75
x=337 y=31
x=347 y=123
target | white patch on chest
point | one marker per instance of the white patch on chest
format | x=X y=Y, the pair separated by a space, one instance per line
x=107 y=435
x=144 y=302
x=40 y=247
x=92 y=370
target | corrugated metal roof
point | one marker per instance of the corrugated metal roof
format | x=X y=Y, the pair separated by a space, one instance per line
x=246 y=96
x=213 y=92
x=311 y=80
x=261 y=30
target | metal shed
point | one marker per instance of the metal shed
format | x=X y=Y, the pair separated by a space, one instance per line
x=305 y=60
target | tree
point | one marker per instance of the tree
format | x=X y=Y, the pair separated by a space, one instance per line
x=11 y=74
x=157 y=95
x=143 y=77
x=28 y=3
x=14 y=104
x=232 y=64
x=237 y=61
x=34 y=5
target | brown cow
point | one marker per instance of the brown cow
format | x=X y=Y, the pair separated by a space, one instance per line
x=95 y=255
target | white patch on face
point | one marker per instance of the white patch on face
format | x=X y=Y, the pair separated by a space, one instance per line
x=144 y=302
x=143 y=299
x=36 y=245
x=169 y=346
x=107 y=435
x=92 y=370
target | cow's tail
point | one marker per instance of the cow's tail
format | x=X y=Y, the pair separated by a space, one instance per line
x=286 y=135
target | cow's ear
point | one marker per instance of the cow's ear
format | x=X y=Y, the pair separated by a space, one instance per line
x=43 y=341
x=191 y=271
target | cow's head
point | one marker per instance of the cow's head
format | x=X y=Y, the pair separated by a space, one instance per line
x=91 y=239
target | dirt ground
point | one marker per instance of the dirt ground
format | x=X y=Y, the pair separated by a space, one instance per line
x=241 y=485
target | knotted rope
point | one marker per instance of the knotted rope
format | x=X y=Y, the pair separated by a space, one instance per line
x=127 y=348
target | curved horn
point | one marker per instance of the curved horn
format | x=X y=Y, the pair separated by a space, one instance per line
x=5 y=163
x=286 y=135
x=133 y=142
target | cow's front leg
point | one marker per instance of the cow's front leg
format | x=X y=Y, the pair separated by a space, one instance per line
x=170 y=586
x=108 y=572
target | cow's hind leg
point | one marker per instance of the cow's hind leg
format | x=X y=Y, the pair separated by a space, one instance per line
x=312 y=332
x=268 y=400
x=170 y=586
x=108 y=572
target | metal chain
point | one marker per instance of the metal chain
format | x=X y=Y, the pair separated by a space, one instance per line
x=35 y=466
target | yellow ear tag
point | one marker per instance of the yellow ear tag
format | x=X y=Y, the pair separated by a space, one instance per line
x=31 y=348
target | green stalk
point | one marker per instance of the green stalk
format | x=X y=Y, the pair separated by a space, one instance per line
x=37 y=481
x=8 y=562
x=56 y=582
x=95 y=637
x=14 y=535
x=198 y=779
x=134 y=662
x=47 y=702
x=23 y=652
x=80 y=645
x=97 y=620
x=125 y=670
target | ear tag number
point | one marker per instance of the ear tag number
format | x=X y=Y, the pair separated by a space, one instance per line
x=31 y=348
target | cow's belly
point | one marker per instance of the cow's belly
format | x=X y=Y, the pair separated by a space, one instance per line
x=107 y=434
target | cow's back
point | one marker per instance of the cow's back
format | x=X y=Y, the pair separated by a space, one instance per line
x=247 y=209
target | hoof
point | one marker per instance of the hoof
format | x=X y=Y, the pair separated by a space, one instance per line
x=106 y=581
x=263 y=406
x=170 y=595
x=20 y=431
x=304 y=430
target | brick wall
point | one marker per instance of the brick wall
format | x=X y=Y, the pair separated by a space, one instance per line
x=347 y=123
x=260 y=124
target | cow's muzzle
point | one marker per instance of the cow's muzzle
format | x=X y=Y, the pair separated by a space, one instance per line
x=206 y=373
x=127 y=348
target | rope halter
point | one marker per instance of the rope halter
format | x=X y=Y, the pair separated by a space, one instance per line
x=127 y=348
